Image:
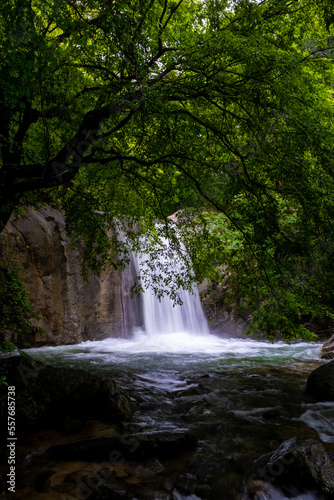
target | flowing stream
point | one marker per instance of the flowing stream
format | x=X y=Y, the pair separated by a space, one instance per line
x=240 y=397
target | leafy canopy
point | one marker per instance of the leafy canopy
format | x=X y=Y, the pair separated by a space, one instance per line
x=125 y=112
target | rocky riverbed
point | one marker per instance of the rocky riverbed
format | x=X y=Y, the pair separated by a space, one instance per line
x=169 y=433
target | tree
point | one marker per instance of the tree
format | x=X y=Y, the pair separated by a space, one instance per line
x=133 y=110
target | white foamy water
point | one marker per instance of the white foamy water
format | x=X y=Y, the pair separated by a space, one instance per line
x=160 y=334
x=181 y=350
x=182 y=376
x=161 y=314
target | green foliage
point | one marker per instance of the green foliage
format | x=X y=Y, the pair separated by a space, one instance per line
x=125 y=112
x=15 y=308
x=277 y=278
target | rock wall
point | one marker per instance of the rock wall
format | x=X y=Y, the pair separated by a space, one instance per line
x=224 y=320
x=327 y=351
x=71 y=309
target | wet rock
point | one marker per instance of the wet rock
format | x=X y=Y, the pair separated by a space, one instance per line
x=190 y=406
x=115 y=403
x=47 y=396
x=90 y=450
x=320 y=383
x=327 y=350
x=76 y=477
x=186 y=483
x=94 y=486
x=117 y=449
x=204 y=491
x=149 y=468
x=106 y=492
x=273 y=413
x=71 y=309
x=298 y=464
x=104 y=485
x=162 y=444
x=43 y=482
x=259 y=490
x=149 y=406
x=224 y=317
x=151 y=492
x=227 y=486
x=70 y=425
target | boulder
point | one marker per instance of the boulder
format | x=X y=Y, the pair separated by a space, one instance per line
x=327 y=350
x=101 y=485
x=298 y=465
x=48 y=396
x=105 y=449
x=118 y=448
x=320 y=383
x=71 y=309
x=225 y=319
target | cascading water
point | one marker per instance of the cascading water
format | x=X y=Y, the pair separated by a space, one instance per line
x=161 y=316
x=238 y=398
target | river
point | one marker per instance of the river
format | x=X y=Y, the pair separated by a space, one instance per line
x=240 y=398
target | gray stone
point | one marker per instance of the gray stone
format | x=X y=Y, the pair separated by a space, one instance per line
x=47 y=396
x=71 y=309
x=299 y=464
x=327 y=350
x=118 y=448
x=222 y=317
x=92 y=485
x=320 y=383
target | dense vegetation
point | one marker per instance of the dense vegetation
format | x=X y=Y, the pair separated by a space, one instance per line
x=132 y=110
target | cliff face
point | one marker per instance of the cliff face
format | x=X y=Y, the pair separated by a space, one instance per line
x=224 y=320
x=71 y=309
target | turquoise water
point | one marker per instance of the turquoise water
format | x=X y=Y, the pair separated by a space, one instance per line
x=241 y=397
x=180 y=351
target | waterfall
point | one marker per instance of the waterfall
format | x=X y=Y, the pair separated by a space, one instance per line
x=160 y=316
